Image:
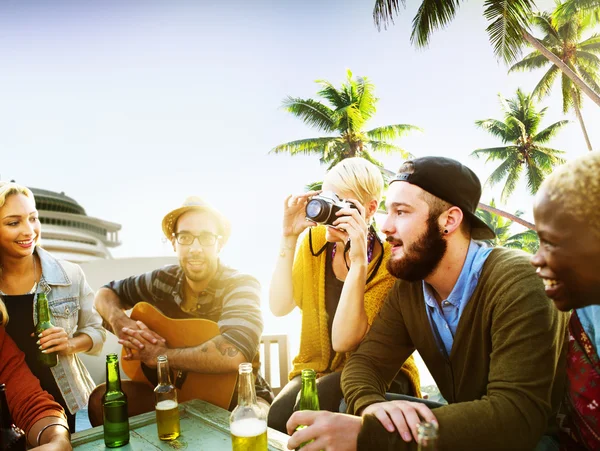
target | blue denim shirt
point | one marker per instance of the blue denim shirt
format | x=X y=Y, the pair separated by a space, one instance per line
x=589 y=317
x=71 y=305
x=444 y=320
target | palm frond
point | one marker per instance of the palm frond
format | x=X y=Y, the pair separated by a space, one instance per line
x=591 y=77
x=367 y=156
x=495 y=127
x=534 y=60
x=331 y=94
x=312 y=112
x=502 y=171
x=388 y=149
x=535 y=177
x=592 y=44
x=588 y=58
x=571 y=8
x=544 y=86
x=549 y=132
x=385 y=10
x=508 y=19
x=432 y=15
x=310 y=146
x=514 y=173
x=391 y=132
x=495 y=153
x=366 y=97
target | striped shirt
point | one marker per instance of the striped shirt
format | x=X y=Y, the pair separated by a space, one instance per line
x=231 y=299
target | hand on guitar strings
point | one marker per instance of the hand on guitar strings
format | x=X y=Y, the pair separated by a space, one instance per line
x=148 y=344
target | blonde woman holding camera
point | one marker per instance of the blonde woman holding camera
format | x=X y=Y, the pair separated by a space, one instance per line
x=337 y=276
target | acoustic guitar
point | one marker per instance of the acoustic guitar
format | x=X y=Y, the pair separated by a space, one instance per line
x=216 y=389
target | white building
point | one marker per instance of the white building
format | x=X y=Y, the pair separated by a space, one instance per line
x=69 y=233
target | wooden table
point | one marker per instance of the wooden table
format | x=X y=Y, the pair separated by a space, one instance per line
x=204 y=427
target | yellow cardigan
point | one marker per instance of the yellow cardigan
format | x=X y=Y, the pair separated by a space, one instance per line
x=308 y=276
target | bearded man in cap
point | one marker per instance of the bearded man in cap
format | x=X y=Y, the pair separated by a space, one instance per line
x=478 y=317
x=200 y=286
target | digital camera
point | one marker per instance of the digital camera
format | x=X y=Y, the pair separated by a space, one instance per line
x=323 y=207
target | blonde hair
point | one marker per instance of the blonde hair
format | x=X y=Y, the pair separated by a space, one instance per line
x=576 y=186
x=8 y=189
x=358 y=175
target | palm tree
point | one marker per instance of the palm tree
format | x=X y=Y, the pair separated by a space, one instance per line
x=525 y=144
x=508 y=29
x=527 y=241
x=347 y=112
x=563 y=38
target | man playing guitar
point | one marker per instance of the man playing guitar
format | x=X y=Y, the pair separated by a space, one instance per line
x=200 y=286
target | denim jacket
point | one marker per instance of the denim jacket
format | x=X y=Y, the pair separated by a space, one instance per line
x=71 y=304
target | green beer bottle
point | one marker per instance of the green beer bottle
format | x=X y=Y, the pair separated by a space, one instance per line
x=427 y=436
x=248 y=422
x=43 y=323
x=309 y=398
x=114 y=406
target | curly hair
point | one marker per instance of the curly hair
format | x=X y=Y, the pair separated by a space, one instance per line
x=576 y=185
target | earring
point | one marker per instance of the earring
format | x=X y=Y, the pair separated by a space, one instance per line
x=446 y=231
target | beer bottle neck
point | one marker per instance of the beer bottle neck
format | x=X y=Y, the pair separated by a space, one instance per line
x=6 y=420
x=113 y=379
x=427 y=435
x=162 y=368
x=246 y=393
x=43 y=313
x=309 y=399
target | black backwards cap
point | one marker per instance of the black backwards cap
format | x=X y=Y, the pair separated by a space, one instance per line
x=452 y=182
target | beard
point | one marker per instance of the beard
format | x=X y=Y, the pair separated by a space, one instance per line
x=201 y=274
x=422 y=257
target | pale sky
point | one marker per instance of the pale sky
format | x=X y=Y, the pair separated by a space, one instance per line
x=131 y=106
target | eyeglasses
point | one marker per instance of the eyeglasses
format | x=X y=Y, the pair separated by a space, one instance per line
x=205 y=238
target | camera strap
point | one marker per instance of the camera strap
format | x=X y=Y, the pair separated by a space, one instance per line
x=311 y=245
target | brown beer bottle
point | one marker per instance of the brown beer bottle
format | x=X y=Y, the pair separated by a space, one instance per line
x=11 y=437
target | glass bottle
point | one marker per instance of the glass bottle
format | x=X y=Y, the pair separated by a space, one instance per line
x=114 y=406
x=12 y=438
x=427 y=436
x=165 y=401
x=248 y=422
x=43 y=323
x=309 y=398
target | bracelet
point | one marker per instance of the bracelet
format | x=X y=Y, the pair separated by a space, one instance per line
x=39 y=436
x=283 y=248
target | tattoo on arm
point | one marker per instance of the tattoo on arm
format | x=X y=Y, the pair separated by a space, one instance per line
x=224 y=347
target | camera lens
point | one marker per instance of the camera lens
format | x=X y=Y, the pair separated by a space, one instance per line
x=314 y=209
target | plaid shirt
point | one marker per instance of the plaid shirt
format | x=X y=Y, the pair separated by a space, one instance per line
x=231 y=299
